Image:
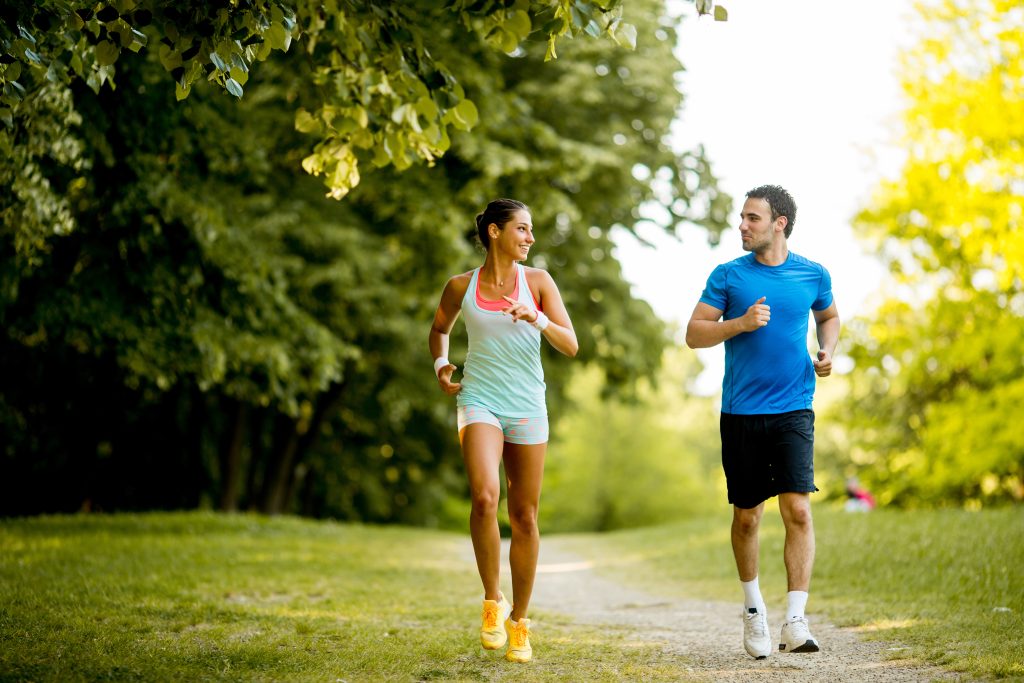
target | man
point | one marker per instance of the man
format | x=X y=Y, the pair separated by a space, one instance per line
x=758 y=305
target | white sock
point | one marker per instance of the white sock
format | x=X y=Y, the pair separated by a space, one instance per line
x=752 y=595
x=797 y=603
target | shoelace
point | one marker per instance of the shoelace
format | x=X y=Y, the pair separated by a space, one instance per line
x=490 y=616
x=758 y=624
x=799 y=627
x=519 y=633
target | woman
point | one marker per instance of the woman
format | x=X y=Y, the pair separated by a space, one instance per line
x=502 y=415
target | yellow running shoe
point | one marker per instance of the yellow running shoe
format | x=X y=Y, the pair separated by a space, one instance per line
x=492 y=631
x=519 y=649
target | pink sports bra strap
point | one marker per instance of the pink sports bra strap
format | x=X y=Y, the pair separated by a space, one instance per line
x=490 y=305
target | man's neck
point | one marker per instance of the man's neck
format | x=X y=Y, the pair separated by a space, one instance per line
x=774 y=255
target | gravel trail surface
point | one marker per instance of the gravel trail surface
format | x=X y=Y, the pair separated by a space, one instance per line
x=706 y=636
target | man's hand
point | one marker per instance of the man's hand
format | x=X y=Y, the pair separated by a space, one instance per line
x=757 y=316
x=444 y=378
x=823 y=365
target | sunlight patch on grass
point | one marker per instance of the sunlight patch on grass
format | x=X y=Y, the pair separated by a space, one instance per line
x=886 y=625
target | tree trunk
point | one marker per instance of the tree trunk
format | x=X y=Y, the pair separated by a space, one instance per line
x=193 y=440
x=307 y=439
x=279 y=466
x=291 y=444
x=257 y=466
x=231 y=458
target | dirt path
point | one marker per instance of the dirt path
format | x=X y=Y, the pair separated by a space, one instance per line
x=706 y=635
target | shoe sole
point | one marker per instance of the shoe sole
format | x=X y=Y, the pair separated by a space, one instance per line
x=518 y=660
x=809 y=646
x=493 y=646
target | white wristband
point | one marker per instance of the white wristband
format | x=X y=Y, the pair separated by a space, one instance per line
x=541 y=322
x=440 y=363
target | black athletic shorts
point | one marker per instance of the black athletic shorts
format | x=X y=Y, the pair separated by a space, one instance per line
x=765 y=455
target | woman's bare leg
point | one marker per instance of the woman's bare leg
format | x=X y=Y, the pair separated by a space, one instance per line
x=481 y=453
x=524 y=469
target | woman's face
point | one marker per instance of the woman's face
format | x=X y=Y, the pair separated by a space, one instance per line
x=515 y=237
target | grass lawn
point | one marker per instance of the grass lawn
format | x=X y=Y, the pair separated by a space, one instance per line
x=947 y=585
x=198 y=596
x=195 y=596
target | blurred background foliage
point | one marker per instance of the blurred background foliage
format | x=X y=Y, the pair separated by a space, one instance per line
x=930 y=407
x=188 y=321
x=621 y=463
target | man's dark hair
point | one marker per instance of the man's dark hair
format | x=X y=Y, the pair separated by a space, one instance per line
x=780 y=202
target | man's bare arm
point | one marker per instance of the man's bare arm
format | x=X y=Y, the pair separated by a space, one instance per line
x=827 y=329
x=705 y=329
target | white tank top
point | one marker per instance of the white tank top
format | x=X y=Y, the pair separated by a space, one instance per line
x=503 y=372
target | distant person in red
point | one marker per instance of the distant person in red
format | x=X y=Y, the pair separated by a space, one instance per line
x=859 y=499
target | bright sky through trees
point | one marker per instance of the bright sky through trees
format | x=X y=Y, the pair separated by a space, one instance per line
x=799 y=93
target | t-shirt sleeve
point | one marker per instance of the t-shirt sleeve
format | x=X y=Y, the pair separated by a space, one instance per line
x=824 y=299
x=715 y=293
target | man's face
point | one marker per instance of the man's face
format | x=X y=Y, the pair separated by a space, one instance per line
x=757 y=229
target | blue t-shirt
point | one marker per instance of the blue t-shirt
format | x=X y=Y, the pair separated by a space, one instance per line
x=769 y=370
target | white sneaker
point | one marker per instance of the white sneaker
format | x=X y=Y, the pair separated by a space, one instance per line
x=796 y=637
x=756 y=639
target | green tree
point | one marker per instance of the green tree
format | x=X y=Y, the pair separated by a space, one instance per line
x=211 y=328
x=381 y=95
x=938 y=377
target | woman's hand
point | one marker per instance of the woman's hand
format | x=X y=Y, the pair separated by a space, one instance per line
x=519 y=311
x=444 y=378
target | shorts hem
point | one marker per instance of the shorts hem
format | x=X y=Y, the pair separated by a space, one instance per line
x=744 y=506
x=524 y=442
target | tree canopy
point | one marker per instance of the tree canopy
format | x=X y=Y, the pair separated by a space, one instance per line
x=938 y=366
x=382 y=95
